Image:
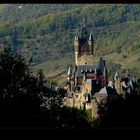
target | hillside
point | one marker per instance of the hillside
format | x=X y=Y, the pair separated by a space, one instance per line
x=45 y=32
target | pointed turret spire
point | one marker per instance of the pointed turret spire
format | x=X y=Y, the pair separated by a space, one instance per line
x=76 y=40
x=69 y=71
x=95 y=74
x=69 y=74
x=90 y=36
x=104 y=73
x=95 y=70
x=84 y=77
x=90 y=41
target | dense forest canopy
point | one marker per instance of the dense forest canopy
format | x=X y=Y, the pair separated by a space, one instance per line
x=45 y=32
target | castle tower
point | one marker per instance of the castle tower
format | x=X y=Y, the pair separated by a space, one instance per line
x=69 y=74
x=90 y=43
x=83 y=44
x=76 y=45
x=102 y=72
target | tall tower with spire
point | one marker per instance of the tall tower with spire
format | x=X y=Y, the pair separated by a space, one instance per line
x=84 y=46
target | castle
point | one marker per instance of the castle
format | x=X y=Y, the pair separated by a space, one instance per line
x=88 y=83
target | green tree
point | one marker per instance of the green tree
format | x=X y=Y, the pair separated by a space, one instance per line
x=20 y=94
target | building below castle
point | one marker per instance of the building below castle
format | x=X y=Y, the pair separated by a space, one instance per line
x=87 y=83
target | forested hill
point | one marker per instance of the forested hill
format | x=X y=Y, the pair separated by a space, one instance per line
x=45 y=32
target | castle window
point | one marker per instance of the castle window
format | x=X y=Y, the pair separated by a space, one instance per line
x=78 y=88
x=91 y=70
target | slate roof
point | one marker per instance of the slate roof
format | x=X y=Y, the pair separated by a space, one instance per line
x=69 y=71
x=101 y=65
x=102 y=92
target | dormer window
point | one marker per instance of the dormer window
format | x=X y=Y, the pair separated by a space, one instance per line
x=91 y=70
x=82 y=71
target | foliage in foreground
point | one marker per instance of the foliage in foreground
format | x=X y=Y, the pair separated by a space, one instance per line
x=22 y=94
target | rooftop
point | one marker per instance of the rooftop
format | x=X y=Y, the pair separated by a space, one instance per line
x=102 y=92
x=88 y=81
x=89 y=69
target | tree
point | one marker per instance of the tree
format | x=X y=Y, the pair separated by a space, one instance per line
x=20 y=94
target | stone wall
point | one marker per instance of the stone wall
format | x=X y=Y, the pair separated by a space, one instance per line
x=85 y=59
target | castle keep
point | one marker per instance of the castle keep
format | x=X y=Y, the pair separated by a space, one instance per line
x=88 y=82
x=85 y=79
